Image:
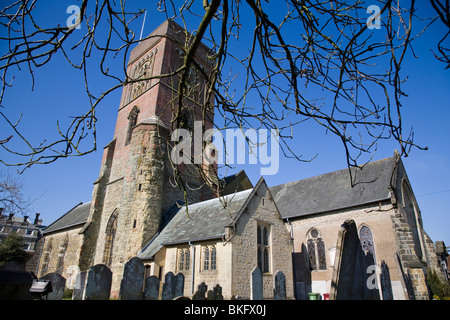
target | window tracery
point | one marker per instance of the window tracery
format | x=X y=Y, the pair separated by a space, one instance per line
x=316 y=250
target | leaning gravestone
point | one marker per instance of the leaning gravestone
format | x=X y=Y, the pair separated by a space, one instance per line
x=98 y=283
x=58 y=284
x=279 y=292
x=256 y=285
x=151 y=288
x=132 y=280
x=78 y=289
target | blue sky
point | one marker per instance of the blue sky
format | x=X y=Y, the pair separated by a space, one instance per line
x=59 y=93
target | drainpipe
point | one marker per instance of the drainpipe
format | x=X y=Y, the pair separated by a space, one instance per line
x=293 y=257
x=192 y=267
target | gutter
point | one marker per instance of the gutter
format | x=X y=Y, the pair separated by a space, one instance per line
x=192 y=268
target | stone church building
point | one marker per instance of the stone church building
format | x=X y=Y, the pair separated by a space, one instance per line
x=303 y=228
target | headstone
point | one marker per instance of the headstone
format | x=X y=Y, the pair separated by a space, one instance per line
x=58 y=285
x=385 y=279
x=98 y=283
x=132 y=280
x=179 y=285
x=279 y=292
x=210 y=295
x=169 y=286
x=78 y=289
x=201 y=292
x=256 y=285
x=151 y=291
x=218 y=292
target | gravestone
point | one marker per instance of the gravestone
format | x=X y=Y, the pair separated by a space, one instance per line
x=385 y=279
x=151 y=291
x=215 y=294
x=132 y=280
x=201 y=292
x=98 y=283
x=58 y=285
x=179 y=285
x=78 y=289
x=173 y=286
x=279 y=291
x=218 y=292
x=256 y=285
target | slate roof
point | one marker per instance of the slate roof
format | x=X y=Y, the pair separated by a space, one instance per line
x=206 y=220
x=78 y=215
x=333 y=191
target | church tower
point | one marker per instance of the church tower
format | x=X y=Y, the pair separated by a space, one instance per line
x=136 y=182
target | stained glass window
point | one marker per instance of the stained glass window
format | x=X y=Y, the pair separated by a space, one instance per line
x=316 y=251
x=365 y=236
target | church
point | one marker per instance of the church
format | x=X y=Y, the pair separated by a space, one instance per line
x=337 y=235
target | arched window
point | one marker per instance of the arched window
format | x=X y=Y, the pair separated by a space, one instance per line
x=132 y=120
x=411 y=216
x=46 y=257
x=316 y=250
x=111 y=229
x=367 y=244
x=62 y=252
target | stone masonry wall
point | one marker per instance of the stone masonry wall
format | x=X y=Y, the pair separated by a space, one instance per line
x=262 y=210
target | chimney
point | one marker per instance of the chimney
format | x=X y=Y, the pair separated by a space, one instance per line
x=10 y=216
x=25 y=218
x=1 y=211
x=36 y=220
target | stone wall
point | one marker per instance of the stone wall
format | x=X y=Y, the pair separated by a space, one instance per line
x=70 y=256
x=261 y=209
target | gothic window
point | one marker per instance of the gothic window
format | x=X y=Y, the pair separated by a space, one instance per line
x=62 y=252
x=132 y=120
x=411 y=217
x=47 y=252
x=209 y=258
x=263 y=241
x=316 y=251
x=184 y=259
x=111 y=229
x=367 y=244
